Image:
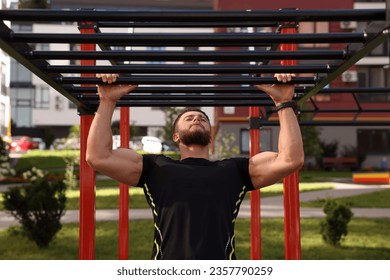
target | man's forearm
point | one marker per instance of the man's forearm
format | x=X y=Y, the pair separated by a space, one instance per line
x=99 y=143
x=290 y=138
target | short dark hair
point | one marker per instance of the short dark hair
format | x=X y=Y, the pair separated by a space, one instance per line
x=185 y=110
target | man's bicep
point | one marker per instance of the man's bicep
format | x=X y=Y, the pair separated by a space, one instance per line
x=124 y=165
x=264 y=169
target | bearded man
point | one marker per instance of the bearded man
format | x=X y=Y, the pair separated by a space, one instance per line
x=194 y=201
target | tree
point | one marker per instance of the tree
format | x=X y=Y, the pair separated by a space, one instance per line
x=170 y=115
x=225 y=145
x=33 y=4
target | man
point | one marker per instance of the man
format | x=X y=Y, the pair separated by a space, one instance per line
x=194 y=201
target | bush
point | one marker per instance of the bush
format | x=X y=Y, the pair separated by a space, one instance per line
x=335 y=225
x=38 y=206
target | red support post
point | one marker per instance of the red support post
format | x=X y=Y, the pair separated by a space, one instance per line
x=254 y=112
x=292 y=230
x=87 y=174
x=123 y=242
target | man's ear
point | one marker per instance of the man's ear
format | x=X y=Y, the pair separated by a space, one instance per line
x=175 y=137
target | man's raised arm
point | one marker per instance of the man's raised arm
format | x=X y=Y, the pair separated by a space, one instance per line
x=267 y=168
x=123 y=165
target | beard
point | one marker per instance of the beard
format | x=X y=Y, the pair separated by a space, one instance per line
x=197 y=137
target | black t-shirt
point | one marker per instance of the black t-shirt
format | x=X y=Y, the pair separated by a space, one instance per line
x=195 y=203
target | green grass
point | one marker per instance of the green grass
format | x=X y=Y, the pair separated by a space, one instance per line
x=44 y=159
x=277 y=189
x=323 y=176
x=377 y=199
x=108 y=198
x=367 y=240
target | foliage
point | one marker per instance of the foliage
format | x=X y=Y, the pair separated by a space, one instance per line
x=335 y=225
x=70 y=178
x=38 y=206
x=225 y=145
x=329 y=149
x=33 y=4
x=74 y=131
x=171 y=114
x=5 y=167
x=115 y=128
x=44 y=159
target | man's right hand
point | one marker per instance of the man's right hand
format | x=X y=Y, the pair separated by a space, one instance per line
x=110 y=92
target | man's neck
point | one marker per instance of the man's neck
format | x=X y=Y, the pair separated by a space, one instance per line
x=194 y=151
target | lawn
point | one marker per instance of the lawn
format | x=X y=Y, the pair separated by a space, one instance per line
x=367 y=240
x=377 y=199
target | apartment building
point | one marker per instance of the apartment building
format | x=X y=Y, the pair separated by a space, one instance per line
x=370 y=72
x=5 y=69
x=39 y=110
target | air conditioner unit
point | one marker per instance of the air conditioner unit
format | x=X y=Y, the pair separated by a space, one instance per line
x=350 y=76
x=348 y=24
x=58 y=103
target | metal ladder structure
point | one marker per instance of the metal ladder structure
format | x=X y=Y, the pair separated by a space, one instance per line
x=236 y=62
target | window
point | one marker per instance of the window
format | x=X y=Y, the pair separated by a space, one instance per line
x=373 y=141
x=3 y=125
x=42 y=98
x=314 y=27
x=371 y=77
x=21 y=106
x=3 y=70
x=265 y=140
x=20 y=75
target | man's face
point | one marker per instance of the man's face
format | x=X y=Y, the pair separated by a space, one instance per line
x=193 y=128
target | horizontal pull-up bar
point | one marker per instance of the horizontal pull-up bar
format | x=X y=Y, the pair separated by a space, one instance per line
x=180 y=80
x=185 y=39
x=228 y=89
x=346 y=110
x=185 y=16
x=128 y=24
x=330 y=123
x=189 y=55
x=193 y=96
x=189 y=69
x=183 y=103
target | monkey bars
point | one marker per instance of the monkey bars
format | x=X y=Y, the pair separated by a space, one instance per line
x=213 y=59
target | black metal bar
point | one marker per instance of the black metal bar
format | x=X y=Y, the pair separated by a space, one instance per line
x=128 y=24
x=330 y=123
x=185 y=89
x=181 y=103
x=186 y=96
x=180 y=80
x=185 y=39
x=189 y=55
x=194 y=16
x=228 y=89
x=356 y=90
x=363 y=51
x=189 y=69
x=346 y=110
x=17 y=51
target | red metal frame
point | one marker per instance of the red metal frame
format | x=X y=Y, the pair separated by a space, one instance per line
x=87 y=174
x=254 y=112
x=292 y=231
x=123 y=240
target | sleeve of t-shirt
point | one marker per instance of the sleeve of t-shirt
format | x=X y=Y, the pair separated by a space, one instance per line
x=243 y=167
x=148 y=162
